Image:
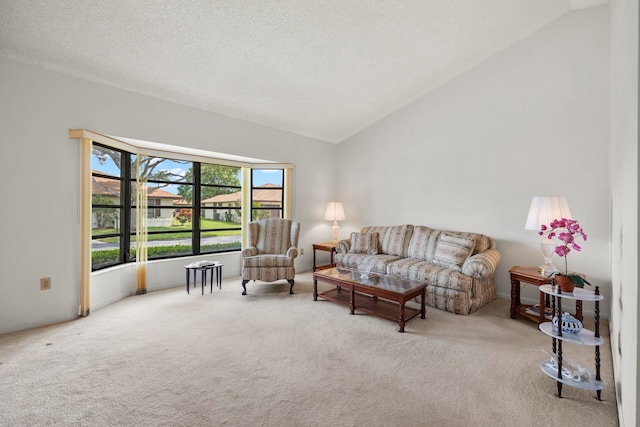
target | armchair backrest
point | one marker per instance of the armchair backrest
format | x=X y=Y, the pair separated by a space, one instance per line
x=273 y=235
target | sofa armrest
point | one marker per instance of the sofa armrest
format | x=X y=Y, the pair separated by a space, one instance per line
x=343 y=246
x=483 y=264
x=292 y=252
x=250 y=251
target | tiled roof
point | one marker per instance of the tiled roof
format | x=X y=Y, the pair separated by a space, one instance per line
x=262 y=193
x=111 y=187
x=159 y=193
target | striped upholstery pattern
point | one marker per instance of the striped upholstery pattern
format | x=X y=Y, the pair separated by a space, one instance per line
x=453 y=250
x=272 y=250
x=435 y=275
x=423 y=243
x=392 y=240
x=461 y=290
x=364 y=243
x=273 y=235
x=376 y=263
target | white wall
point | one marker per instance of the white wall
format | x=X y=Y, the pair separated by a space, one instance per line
x=624 y=170
x=39 y=219
x=532 y=120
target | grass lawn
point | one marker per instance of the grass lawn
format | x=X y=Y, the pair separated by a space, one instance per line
x=204 y=223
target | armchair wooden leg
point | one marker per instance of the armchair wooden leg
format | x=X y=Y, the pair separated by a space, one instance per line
x=291 y=288
x=244 y=287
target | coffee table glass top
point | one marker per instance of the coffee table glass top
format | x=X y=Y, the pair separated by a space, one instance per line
x=375 y=280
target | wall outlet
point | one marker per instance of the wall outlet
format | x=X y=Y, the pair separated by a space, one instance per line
x=45 y=283
x=301 y=251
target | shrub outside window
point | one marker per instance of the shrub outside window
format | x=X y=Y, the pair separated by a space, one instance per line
x=192 y=208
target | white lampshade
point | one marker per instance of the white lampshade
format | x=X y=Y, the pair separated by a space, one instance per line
x=334 y=212
x=545 y=209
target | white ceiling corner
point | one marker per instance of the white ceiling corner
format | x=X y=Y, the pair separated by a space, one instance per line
x=324 y=69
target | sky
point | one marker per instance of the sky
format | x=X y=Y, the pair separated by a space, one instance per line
x=261 y=176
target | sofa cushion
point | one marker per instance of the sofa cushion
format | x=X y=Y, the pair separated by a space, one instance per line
x=482 y=242
x=423 y=243
x=268 y=261
x=452 y=250
x=376 y=263
x=364 y=243
x=392 y=240
x=436 y=276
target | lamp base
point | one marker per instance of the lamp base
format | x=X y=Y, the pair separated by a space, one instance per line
x=547 y=269
x=547 y=247
x=336 y=229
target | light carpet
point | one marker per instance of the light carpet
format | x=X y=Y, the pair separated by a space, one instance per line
x=269 y=358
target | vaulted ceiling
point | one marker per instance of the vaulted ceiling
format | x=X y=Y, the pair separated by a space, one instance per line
x=321 y=68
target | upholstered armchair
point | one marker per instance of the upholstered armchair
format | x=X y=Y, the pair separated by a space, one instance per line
x=273 y=247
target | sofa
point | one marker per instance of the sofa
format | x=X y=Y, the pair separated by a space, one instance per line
x=458 y=267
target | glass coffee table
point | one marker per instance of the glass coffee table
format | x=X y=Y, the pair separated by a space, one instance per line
x=379 y=295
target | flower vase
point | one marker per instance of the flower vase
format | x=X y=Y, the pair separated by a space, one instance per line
x=565 y=283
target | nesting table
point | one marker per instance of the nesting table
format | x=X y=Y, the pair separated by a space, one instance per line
x=204 y=268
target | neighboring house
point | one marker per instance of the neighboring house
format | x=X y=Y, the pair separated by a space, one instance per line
x=156 y=198
x=265 y=196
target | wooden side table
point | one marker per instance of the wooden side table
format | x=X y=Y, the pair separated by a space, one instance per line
x=327 y=247
x=532 y=276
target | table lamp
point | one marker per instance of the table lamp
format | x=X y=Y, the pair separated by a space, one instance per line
x=543 y=210
x=334 y=213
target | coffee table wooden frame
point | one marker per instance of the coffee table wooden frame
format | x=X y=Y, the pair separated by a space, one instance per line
x=380 y=295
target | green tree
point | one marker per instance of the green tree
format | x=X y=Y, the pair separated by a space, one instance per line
x=257 y=215
x=148 y=165
x=212 y=175
x=104 y=217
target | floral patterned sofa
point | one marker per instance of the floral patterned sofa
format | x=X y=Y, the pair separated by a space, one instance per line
x=458 y=267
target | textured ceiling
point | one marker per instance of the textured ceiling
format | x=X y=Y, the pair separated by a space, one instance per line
x=321 y=68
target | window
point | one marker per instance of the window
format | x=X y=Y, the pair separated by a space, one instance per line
x=108 y=204
x=192 y=208
x=267 y=193
x=220 y=208
x=169 y=230
x=108 y=237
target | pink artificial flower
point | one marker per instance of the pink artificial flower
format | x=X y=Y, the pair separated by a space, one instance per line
x=569 y=228
x=565 y=237
x=562 y=250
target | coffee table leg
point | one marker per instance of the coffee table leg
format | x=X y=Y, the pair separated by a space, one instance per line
x=315 y=290
x=187 y=281
x=401 y=323
x=423 y=312
x=352 y=302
